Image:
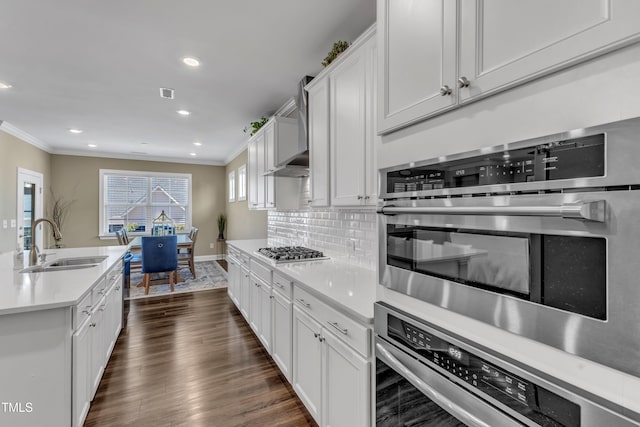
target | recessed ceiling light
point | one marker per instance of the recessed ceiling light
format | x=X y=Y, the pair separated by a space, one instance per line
x=92 y=145
x=4 y=85
x=191 y=61
x=183 y=112
x=76 y=130
x=192 y=154
x=197 y=144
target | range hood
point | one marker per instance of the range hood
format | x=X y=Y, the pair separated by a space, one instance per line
x=293 y=161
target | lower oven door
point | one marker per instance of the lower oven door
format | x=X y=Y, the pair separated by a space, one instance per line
x=408 y=393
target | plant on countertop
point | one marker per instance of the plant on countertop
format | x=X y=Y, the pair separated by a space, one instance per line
x=255 y=126
x=338 y=47
x=222 y=223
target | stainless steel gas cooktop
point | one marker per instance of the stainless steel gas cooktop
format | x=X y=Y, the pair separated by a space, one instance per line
x=284 y=254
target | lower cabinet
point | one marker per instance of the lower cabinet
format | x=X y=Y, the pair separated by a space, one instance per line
x=260 y=311
x=331 y=379
x=244 y=295
x=281 y=332
x=233 y=277
x=93 y=342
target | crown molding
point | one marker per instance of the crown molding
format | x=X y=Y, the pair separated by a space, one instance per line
x=24 y=136
x=236 y=153
x=141 y=157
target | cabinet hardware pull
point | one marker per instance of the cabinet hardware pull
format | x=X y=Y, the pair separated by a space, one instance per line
x=367 y=197
x=306 y=304
x=316 y=335
x=117 y=288
x=101 y=308
x=309 y=200
x=87 y=312
x=93 y=325
x=445 y=90
x=280 y=285
x=359 y=197
x=463 y=82
x=335 y=325
x=321 y=339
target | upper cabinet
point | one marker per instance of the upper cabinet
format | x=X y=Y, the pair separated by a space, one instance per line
x=342 y=133
x=501 y=44
x=267 y=191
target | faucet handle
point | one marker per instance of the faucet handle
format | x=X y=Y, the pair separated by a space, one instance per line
x=43 y=257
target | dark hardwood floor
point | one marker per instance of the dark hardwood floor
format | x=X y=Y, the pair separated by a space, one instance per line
x=191 y=360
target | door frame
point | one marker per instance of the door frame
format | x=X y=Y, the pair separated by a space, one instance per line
x=28 y=176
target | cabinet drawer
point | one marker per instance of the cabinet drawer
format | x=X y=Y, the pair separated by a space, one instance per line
x=243 y=259
x=115 y=273
x=282 y=285
x=81 y=311
x=100 y=289
x=261 y=271
x=348 y=330
x=233 y=252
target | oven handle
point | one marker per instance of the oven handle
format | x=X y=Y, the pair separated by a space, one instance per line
x=409 y=365
x=589 y=211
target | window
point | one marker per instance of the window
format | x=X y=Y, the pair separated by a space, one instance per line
x=132 y=200
x=232 y=186
x=242 y=182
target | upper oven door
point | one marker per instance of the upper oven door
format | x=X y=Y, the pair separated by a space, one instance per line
x=556 y=268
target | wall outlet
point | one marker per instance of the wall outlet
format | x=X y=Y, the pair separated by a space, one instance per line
x=5 y=223
x=212 y=245
x=13 y=223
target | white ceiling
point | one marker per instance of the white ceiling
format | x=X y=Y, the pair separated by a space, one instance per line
x=98 y=66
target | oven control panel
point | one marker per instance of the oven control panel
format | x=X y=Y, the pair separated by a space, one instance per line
x=527 y=398
x=581 y=157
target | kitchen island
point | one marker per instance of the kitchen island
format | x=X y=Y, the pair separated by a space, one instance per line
x=57 y=331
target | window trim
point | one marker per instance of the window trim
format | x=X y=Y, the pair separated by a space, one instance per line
x=242 y=187
x=231 y=186
x=147 y=174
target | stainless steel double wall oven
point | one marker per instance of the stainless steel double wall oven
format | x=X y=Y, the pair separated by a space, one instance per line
x=539 y=237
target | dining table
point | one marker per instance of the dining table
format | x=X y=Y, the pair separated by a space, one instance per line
x=184 y=242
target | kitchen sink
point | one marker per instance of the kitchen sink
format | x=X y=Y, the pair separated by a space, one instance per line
x=65 y=262
x=48 y=268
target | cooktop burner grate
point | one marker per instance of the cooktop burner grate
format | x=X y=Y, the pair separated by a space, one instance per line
x=291 y=254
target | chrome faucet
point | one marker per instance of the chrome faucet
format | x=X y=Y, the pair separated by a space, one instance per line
x=33 y=254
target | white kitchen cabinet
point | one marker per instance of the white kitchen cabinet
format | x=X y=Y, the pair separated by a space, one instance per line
x=260 y=311
x=252 y=155
x=260 y=169
x=97 y=346
x=255 y=306
x=351 y=138
x=281 y=312
x=504 y=43
x=307 y=362
x=270 y=164
x=82 y=350
x=319 y=142
x=233 y=277
x=434 y=57
x=337 y=392
x=245 y=295
x=345 y=385
x=417 y=43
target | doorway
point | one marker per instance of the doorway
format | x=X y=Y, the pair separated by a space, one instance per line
x=29 y=207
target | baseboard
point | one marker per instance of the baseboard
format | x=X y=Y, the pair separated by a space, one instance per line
x=208 y=257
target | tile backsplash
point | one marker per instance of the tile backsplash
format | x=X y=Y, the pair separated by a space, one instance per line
x=346 y=233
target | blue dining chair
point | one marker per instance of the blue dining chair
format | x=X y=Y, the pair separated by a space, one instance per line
x=159 y=255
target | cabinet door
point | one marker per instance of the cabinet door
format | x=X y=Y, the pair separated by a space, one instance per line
x=281 y=330
x=265 y=316
x=307 y=375
x=345 y=385
x=234 y=278
x=245 y=295
x=417 y=59
x=319 y=143
x=255 y=307
x=504 y=43
x=81 y=373
x=259 y=138
x=348 y=130
x=253 y=174
x=269 y=159
x=97 y=346
x=372 y=138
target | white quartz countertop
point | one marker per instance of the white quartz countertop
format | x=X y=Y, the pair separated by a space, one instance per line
x=20 y=292
x=347 y=287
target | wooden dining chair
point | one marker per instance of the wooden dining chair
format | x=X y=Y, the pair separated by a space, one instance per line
x=136 y=260
x=159 y=255
x=185 y=258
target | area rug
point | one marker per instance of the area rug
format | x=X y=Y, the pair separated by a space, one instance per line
x=209 y=276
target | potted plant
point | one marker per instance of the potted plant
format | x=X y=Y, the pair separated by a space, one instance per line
x=255 y=126
x=222 y=223
x=58 y=211
x=338 y=47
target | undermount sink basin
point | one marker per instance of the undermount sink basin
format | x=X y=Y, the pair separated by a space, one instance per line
x=63 y=264
x=48 y=268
